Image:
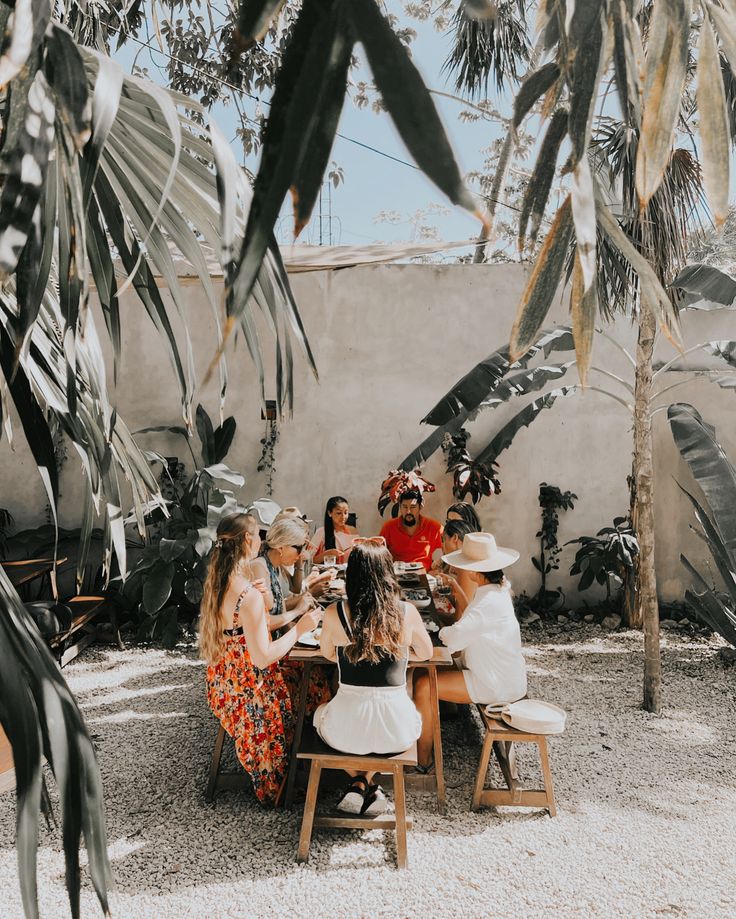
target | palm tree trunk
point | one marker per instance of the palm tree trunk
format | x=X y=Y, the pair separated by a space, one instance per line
x=647 y=606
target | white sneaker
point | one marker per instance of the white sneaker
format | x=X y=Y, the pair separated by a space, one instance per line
x=352 y=800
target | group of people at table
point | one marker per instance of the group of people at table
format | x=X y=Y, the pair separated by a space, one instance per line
x=258 y=603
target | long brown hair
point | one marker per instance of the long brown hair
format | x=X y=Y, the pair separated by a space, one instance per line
x=228 y=550
x=375 y=604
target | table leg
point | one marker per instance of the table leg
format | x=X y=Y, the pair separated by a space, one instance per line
x=437 y=739
x=298 y=730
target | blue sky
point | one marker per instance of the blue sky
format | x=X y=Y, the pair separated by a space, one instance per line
x=375 y=183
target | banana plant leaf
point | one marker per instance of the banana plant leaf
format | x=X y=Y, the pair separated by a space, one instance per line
x=505 y=437
x=480 y=383
x=705 y=288
x=42 y=719
x=698 y=445
x=696 y=440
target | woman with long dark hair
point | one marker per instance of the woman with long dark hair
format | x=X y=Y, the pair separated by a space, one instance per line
x=245 y=687
x=465 y=512
x=336 y=536
x=459 y=582
x=371 y=636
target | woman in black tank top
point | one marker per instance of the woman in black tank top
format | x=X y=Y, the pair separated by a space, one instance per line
x=370 y=637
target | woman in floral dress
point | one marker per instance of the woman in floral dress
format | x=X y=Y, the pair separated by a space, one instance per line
x=245 y=687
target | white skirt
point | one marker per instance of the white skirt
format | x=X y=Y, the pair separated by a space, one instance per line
x=369 y=719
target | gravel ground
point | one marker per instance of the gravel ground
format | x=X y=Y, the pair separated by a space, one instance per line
x=645 y=824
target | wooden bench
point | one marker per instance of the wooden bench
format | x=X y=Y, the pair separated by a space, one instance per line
x=85 y=613
x=324 y=757
x=222 y=781
x=500 y=739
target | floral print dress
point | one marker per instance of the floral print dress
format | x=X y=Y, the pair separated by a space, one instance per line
x=256 y=708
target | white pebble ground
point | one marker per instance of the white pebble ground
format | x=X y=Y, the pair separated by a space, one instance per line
x=646 y=823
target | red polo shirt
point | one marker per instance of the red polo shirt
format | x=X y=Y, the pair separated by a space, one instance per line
x=418 y=546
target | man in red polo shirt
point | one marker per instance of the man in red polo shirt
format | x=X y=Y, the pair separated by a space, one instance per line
x=411 y=537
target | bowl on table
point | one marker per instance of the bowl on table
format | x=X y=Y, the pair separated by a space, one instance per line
x=420 y=598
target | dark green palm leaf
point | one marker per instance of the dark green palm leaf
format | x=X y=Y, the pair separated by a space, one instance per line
x=696 y=440
x=40 y=716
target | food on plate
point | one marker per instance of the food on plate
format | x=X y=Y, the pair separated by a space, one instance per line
x=413 y=595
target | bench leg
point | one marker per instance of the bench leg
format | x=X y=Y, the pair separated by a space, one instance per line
x=310 y=805
x=209 y=794
x=547 y=774
x=439 y=767
x=400 y=808
x=480 y=778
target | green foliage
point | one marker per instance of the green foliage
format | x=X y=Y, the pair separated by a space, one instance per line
x=469 y=477
x=606 y=557
x=42 y=719
x=7 y=524
x=165 y=586
x=715 y=475
x=551 y=500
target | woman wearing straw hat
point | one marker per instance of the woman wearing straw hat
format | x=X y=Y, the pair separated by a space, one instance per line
x=487 y=638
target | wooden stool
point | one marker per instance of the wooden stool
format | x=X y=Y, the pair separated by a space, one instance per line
x=324 y=757
x=217 y=781
x=500 y=739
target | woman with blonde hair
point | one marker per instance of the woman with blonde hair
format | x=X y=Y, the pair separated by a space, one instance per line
x=371 y=637
x=245 y=687
x=282 y=548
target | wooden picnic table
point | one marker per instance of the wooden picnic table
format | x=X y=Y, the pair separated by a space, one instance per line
x=441 y=657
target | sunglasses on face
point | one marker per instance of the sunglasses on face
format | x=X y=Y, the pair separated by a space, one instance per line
x=299 y=548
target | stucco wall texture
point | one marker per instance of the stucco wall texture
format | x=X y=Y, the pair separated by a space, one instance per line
x=389 y=340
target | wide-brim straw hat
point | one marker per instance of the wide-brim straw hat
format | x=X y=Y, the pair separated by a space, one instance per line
x=264 y=510
x=480 y=553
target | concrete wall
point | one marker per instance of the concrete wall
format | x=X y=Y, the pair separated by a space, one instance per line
x=389 y=341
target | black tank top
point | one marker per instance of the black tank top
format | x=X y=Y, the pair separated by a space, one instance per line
x=388 y=671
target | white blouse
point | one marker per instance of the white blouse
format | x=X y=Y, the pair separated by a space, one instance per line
x=489 y=637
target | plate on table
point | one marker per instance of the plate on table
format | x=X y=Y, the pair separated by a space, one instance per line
x=413 y=566
x=310 y=639
x=430 y=625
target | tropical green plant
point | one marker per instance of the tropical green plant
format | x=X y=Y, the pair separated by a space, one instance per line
x=606 y=557
x=716 y=515
x=469 y=477
x=42 y=720
x=396 y=483
x=165 y=586
x=267 y=459
x=100 y=173
x=552 y=500
x=7 y=524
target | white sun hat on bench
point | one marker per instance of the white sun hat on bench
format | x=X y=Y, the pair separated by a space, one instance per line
x=532 y=716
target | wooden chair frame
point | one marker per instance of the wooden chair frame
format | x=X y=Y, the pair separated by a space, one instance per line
x=322 y=758
x=500 y=739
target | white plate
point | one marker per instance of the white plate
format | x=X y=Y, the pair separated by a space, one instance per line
x=310 y=639
x=413 y=566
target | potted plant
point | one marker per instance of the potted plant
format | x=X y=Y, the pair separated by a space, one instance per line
x=468 y=476
x=396 y=483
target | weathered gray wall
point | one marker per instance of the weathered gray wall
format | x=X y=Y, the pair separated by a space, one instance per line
x=389 y=341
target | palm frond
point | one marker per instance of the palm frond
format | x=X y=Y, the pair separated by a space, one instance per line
x=495 y=46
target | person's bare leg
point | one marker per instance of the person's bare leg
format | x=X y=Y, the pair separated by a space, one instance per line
x=451 y=688
x=368 y=776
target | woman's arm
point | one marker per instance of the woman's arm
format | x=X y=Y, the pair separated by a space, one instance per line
x=420 y=644
x=264 y=652
x=327 y=644
x=259 y=570
x=457 y=637
x=293 y=608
